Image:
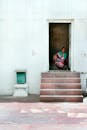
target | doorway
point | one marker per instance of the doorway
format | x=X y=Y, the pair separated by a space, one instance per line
x=59 y=36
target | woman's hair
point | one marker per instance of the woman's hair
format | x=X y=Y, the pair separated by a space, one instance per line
x=62 y=47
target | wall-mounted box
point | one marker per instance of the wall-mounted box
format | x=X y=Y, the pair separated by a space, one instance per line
x=20 y=76
x=20 y=86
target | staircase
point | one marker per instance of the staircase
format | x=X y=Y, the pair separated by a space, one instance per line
x=60 y=87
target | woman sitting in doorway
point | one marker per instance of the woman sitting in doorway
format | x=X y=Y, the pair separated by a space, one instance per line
x=60 y=58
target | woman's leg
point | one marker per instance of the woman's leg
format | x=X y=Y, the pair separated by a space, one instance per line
x=59 y=64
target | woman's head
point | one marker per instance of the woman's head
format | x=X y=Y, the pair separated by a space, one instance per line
x=63 y=49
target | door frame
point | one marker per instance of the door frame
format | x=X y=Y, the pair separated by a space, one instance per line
x=71 y=39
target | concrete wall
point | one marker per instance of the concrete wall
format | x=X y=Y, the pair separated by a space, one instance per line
x=24 y=38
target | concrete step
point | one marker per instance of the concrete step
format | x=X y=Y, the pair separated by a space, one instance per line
x=62 y=98
x=59 y=74
x=60 y=80
x=60 y=92
x=60 y=86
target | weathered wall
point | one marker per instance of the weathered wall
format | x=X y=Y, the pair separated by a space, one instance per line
x=24 y=38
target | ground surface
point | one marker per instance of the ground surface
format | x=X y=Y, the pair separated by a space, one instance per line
x=29 y=98
x=43 y=116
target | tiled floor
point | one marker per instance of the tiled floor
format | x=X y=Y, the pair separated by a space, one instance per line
x=43 y=116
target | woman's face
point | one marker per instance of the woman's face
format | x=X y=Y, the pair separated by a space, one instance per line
x=63 y=50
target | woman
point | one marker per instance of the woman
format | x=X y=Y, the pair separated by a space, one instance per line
x=60 y=57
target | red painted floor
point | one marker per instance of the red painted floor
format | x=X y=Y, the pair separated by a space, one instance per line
x=43 y=116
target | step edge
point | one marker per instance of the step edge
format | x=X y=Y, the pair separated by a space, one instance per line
x=62 y=96
x=61 y=78
x=61 y=83
x=61 y=89
x=60 y=72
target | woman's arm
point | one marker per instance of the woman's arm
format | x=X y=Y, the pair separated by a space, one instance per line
x=55 y=57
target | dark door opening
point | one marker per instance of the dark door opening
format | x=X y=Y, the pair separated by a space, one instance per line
x=58 y=38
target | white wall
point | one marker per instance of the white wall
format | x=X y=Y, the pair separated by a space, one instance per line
x=24 y=38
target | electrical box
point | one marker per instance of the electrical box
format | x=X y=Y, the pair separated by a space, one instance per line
x=21 y=77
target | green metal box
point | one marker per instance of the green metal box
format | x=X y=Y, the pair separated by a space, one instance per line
x=21 y=77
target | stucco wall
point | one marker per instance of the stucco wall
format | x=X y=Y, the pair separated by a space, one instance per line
x=24 y=38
